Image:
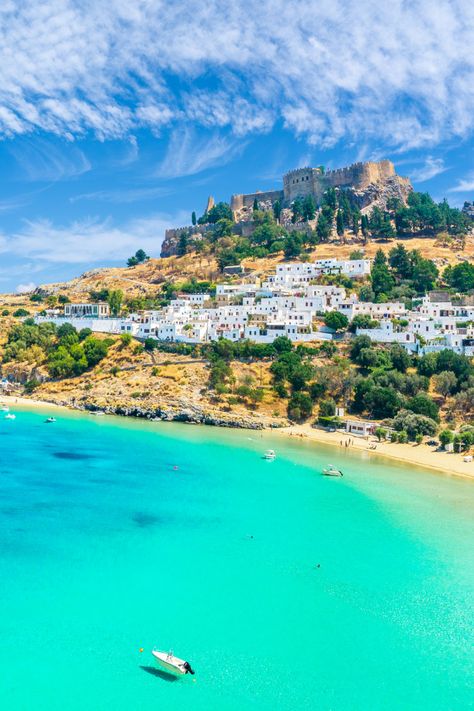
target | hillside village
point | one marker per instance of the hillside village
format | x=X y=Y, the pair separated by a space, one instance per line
x=260 y=316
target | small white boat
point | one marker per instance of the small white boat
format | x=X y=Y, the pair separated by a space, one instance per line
x=330 y=470
x=10 y=416
x=4 y=408
x=171 y=663
x=97 y=413
x=269 y=454
x=51 y=419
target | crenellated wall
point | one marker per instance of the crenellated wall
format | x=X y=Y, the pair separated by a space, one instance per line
x=238 y=201
x=312 y=181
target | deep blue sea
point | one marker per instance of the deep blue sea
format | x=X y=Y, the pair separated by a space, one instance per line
x=107 y=549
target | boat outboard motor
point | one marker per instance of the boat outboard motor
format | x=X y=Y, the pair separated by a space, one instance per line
x=187 y=666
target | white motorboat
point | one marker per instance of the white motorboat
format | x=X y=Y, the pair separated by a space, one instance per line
x=4 y=408
x=330 y=470
x=269 y=454
x=171 y=663
x=51 y=419
x=10 y=416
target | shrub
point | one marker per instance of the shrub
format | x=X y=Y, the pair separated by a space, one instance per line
x=413 y=424
x=20 y=313
x=300 y=406
x=31 y=385
x=327 y=408
x=422 y=404
x=336 y=321
x=125 y=339
x=446 y=437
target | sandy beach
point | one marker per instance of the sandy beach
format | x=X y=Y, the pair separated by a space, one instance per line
x=419 y=455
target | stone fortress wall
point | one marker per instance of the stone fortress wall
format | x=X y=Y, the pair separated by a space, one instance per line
x=238 y=201
x=312 y=181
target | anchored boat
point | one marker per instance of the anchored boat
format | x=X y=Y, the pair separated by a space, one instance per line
x=269 y=454
x=330 y=470
x=171 y=663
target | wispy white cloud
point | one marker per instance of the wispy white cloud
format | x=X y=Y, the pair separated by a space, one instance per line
x=430 y=169
x=400 y=72
x=43 y=160
x=121 y=196
x=466 y=185
x=91 y=241
x=187 y=154
x=25 y=288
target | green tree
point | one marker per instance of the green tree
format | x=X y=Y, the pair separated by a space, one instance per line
x=293 y=246
x=300 y=406
x=308 y=208
x=115 y=300
x=399 y=357
x=400 y=262
x=445 y=383
x=323 y=228
x=339 y=223
x=336 y=320
x=182 y=247
x=95 y=350
x=446 y=437
x=255 y=205
x=382 y=280
x=422 y=404
x=277 y=210
x=460 y=277
x=327 y=408
x=193 y=218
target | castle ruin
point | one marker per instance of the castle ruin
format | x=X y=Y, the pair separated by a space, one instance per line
x=314 y=181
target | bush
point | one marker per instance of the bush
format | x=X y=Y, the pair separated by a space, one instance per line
x=125 y=339
x=336 y=321
x=422 y=404
x=327 y=408
x=413 y=424
x=446 y=437
x=300 y=407
x=31 y=385
x=381 y=433
x=21 y=313
x=403 y=437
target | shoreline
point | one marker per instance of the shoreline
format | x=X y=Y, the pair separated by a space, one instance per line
x=417 y=455
x=451 y=463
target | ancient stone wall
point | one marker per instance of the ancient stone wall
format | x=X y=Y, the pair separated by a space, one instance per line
x=238 y=201
x=311 y=181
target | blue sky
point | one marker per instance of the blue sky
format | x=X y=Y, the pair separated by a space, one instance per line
x=118 y=119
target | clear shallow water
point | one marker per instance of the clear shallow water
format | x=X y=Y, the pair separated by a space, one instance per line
x=105 y=549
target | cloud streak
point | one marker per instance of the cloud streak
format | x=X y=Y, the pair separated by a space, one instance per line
x=91 y=241
x=401 y=73
x=431 y=168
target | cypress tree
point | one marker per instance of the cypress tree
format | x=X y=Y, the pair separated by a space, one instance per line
x=339 y=223
x=193 y=217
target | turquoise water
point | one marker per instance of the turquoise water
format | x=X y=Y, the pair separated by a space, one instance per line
x=105 y=549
